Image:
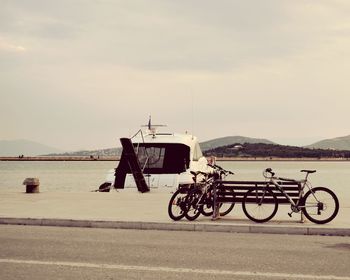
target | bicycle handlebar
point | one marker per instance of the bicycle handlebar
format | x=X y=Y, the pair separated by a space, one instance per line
x=269 y=170
x=217 y=167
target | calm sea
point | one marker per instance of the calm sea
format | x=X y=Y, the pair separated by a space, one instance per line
x=88 y=175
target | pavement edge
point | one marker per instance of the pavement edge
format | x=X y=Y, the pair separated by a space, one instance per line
x=179 y=226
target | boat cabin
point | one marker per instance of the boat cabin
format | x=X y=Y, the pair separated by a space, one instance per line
x=166 y=160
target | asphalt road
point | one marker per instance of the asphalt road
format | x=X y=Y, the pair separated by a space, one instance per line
x=88 y=253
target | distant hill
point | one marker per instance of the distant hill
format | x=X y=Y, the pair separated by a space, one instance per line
x=95 y=153
x=224 y=146
x=339 y=143
x=204 y=145
x=273 y=150
x=24 y=147
x=229 y=140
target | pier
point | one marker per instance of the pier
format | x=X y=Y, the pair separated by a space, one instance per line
x=61 y=158
x=129 y=209
x=117 y=158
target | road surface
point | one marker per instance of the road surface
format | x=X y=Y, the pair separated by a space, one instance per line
x=29 y=252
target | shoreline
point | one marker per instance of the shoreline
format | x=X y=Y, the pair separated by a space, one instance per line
x=281 y=159
x=61 y=158
x=117 y=158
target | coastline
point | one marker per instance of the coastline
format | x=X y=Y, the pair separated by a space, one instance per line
x=117 y=158
x=280 y=159
x=61 y=158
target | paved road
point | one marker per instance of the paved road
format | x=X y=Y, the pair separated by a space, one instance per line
x=84 y=253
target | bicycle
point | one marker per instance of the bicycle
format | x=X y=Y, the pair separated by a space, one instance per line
x=319 y=205
x=177 y=206
x=200 y=199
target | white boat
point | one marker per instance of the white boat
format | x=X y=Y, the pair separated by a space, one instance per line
x=166 y=160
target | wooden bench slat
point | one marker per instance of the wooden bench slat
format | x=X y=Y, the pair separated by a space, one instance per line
x=254 y=187
x=253 y=182
x=240 y=188
x=242 y=194
x=252 y=200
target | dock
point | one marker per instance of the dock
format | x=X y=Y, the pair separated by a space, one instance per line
x=129 y=209
x=117 y=158
x=61 y=158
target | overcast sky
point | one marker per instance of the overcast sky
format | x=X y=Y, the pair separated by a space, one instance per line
x=82 y=74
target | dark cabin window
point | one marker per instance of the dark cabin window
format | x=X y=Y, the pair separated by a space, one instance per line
x=151 y=157
x=163 y=158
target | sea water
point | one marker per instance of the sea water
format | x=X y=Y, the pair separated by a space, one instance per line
x=66 y=176
x=85 y=176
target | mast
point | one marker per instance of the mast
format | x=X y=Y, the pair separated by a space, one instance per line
x=152 y=127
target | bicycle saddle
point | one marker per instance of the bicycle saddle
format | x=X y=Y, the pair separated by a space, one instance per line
x=308 y=171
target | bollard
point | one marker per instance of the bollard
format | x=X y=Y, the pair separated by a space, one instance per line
x=32 y=185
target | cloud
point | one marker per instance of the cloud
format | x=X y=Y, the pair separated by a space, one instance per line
x=94 y=70
x=10 y=47
x=174 y=36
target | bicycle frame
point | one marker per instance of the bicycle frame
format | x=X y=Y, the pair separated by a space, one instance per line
x=260 y=204
x=205 y=185
x=205 y=188
x=304 y=183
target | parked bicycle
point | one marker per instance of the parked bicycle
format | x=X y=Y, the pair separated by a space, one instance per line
x=200 y=199
x=177 y=206
x=320 y=205
x=201 y=193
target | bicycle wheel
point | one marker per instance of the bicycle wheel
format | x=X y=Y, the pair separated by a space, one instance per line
x=177 y=205
x=321 y=205
x=226 y=208
x=207 y=208
x=260 y=205
x=193 y=205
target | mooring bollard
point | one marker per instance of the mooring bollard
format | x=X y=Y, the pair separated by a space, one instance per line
x=32 y=185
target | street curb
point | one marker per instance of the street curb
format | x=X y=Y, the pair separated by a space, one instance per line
x=179 y=226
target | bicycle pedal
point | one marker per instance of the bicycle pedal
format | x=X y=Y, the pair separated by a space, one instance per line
x=290 y=214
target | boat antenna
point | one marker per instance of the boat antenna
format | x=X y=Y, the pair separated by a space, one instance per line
x=152 y=127
x=192 y=114
x=150 y=122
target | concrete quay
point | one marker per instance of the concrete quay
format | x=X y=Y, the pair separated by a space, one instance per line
x=128 y=209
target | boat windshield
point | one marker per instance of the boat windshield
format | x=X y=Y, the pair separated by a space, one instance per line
x=157 y=158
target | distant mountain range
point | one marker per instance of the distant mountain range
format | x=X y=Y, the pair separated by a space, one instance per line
x=30 y=148
x=260 y=150
x=94 y=153
x=339 y=143
x=228 y=140
x=25 y=147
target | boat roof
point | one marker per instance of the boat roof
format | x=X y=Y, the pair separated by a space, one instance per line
x=176 y=138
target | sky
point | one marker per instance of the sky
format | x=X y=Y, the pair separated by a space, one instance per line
x=80 y=74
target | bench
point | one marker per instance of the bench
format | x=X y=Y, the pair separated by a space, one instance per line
x=234 y=191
